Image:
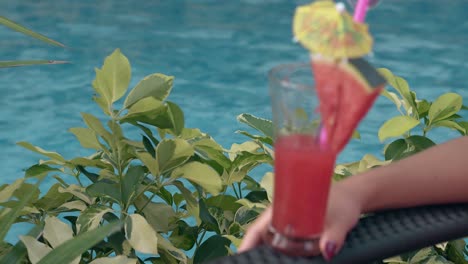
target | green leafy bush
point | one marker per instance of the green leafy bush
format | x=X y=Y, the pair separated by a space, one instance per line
x=172 y=194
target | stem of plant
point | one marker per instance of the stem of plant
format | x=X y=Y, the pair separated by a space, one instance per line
x=149 y=200
x=235 y=191
x=144 y=190
x=201 y=238
x=240 y=190
x=79 y=181
x=426 y=129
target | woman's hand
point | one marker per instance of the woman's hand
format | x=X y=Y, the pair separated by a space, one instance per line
x=343 y=213
x=253 y=236
x=344 y=210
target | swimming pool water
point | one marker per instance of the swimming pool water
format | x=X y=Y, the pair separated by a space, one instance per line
x=219 y=52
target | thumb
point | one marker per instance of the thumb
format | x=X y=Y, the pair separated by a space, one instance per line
x=332 y=239
x=254 y=234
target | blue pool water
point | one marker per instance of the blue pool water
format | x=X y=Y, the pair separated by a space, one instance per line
x=219 y=52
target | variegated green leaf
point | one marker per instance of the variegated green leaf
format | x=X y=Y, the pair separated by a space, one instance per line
x=36 y=249
x=201 y=174
x=79 y=192
x=397 y=126
x=263 y=125
x=141 y=235
x=91 y=217
x=87 y=137
x=50 y=154
x=171 y=153
x=150 y=162
x=267 y=183
x=68 y=251
x=114 y=260
x=56 y=232
x=158 y=215
x=8 y=191
x=155 y=85
x=113 y=78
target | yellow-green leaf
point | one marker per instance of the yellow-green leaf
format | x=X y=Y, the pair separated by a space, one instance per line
x=113 y=78
x=369 y=161
x=50 y=154
x=105 y=94
x=17 y=27
x=176 y=116
x=392 y=97
x=193 y=207
x=118 y=73
x=73 y=248
x=445 y=106
x=148 y=105
x=158 y=215
x=267 y=183
x=263 y=125
x=402 y=87
x=150 y=162
x=171 y=153
x=95 y=124
x=201 y=174
x=101 y=101
x=36 y=250
x=74 y=205
x=8 y=216
x=141 y=235
x=450 y=124
x=236 y=241
x=56 y=232
x=250 y=205
x=114 y=260
x=87 y=137
x=79 y=192
x=8 y=191
x=397 y=126
x=91 y=218
x=166 y=246
x=156 y=85
x=248 y=146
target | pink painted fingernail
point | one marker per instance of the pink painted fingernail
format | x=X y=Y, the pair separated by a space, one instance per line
x=330 y=250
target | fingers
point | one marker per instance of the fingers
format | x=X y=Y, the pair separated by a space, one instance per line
x=332 y=240
x=253 y=236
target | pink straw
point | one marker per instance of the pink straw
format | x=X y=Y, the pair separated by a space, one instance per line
x=361 y=10
x=323 y=136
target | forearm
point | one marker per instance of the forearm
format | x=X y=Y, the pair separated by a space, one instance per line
x=437 y=175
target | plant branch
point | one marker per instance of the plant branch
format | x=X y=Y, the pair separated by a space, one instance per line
x=240 y=190
x=235 y=191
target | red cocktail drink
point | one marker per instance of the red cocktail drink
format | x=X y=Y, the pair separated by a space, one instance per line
x=303 y=171
x=304 y=162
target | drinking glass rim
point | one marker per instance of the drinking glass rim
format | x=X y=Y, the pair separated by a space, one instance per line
x=274 y=74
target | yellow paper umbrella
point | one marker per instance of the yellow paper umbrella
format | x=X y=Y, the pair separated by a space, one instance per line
x=326 y=28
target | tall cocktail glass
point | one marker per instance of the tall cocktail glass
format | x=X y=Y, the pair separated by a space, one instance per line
x=303 y=162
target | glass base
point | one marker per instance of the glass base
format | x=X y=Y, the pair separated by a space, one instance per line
x=292 y=245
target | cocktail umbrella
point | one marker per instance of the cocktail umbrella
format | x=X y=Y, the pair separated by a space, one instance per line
x=346 y=84
x=327 y=29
